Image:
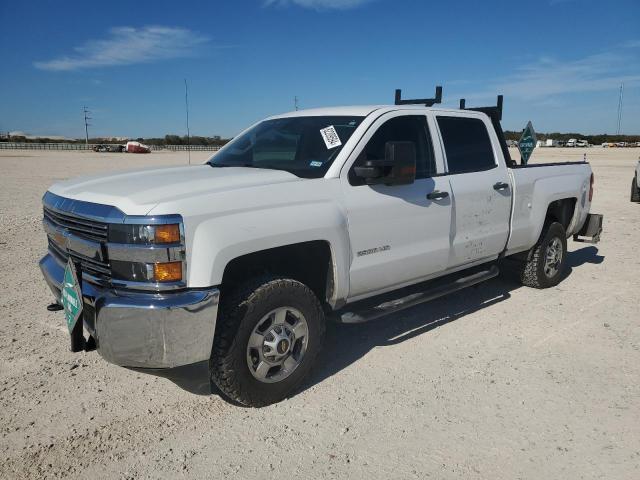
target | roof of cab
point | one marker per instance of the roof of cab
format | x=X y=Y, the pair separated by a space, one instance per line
x=354 y=111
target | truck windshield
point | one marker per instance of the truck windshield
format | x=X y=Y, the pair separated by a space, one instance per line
x=303 y=146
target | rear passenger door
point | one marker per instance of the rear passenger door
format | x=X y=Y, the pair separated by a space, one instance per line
x=481 y=188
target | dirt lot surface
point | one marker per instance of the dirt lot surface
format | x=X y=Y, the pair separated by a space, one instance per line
x=496 y=382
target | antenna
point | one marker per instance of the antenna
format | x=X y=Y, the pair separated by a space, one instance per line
x=295 y=102
x=86 y=124
x=186 y=105
x=620 y=98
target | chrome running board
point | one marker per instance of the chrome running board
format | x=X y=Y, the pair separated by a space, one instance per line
x=370 y=309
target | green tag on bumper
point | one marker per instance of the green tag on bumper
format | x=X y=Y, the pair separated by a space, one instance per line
x=71 y=296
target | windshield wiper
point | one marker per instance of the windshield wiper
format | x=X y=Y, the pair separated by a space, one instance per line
x=243 y=165
x=218 y=165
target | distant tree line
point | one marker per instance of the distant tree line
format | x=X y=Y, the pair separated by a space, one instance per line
x=217 y=140
x=167 y=140
x=592 y=139
x=178 y=140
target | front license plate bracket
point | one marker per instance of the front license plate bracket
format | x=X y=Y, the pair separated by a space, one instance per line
x=71 y=299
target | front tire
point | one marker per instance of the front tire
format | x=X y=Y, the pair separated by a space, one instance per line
x=547 y=260
x=268 y=336
x=635 y=190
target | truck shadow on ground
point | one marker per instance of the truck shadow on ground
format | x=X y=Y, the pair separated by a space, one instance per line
x=346 y=344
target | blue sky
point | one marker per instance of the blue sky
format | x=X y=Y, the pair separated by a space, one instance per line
x=559 y=63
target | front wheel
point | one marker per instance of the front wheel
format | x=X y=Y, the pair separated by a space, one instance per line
x=547 y=260
x=268 y=335
x=635 y=190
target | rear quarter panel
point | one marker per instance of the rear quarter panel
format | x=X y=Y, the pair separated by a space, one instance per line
x=535 y=188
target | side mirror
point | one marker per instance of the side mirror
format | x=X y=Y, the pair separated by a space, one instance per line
x=397 y=168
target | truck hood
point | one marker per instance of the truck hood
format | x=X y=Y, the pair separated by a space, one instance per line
x=138 y=192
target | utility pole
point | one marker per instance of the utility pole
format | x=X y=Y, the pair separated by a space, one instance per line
x=186 y=105
x=295 y=102
x=620 y=98
x=86 y=124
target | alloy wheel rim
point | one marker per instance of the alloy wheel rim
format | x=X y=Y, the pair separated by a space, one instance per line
x=553 y=257
x=277 y=345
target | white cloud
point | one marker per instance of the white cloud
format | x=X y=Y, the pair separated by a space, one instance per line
x=320 y=4
x=127 y=46
x=548 y=76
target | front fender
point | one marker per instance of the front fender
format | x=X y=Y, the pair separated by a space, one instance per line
x=216 y=241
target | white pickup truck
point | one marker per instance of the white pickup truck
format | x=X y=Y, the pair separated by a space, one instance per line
x=225 y=273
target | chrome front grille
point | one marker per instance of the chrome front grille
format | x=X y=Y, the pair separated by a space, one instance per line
x=98 y=270
x=81 y=238
x=80 y=227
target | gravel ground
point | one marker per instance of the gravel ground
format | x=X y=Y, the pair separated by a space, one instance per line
x=498 y=382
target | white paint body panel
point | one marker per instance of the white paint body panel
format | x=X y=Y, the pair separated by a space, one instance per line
x=400 y=217
x=535 y=188
x=480 y=226
x=230 y=212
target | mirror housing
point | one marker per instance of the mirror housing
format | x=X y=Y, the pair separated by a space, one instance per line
x=397 y=168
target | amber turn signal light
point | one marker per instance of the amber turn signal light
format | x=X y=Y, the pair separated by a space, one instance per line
x=167 y=272
x=167 y=233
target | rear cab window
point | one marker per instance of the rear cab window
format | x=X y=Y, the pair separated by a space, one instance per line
x=466 y=144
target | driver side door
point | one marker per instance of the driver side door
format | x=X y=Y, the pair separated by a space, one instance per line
x=399 y=233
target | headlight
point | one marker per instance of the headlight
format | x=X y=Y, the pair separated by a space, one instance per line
x=147 y=253
x=157 y=272
x=145 y=234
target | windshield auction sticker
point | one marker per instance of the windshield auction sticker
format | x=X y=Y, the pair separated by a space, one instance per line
x=330 y=137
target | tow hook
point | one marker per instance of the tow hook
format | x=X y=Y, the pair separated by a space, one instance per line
x=55 y=307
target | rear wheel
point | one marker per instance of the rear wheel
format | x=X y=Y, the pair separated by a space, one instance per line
x=547 y=260
x=268 y=335
x=635 y=190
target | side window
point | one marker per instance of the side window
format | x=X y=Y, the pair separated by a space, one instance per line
x=408 y=128
x=467 y=144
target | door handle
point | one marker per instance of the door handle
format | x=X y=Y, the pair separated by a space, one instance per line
x=500 y=186
x=437 y=195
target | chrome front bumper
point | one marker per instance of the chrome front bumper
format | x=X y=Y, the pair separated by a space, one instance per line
x=144 y=329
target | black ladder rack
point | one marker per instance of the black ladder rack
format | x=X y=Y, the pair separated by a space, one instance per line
x=492 y=112
x=495 y=114
x=429 y=102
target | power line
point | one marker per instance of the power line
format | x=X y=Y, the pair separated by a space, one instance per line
x=620 y=98
x=186 y=105
x=86 y=124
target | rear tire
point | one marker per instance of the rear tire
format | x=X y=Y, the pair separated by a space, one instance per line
x=635 y=190
x=268 y=335
x=547 y=259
